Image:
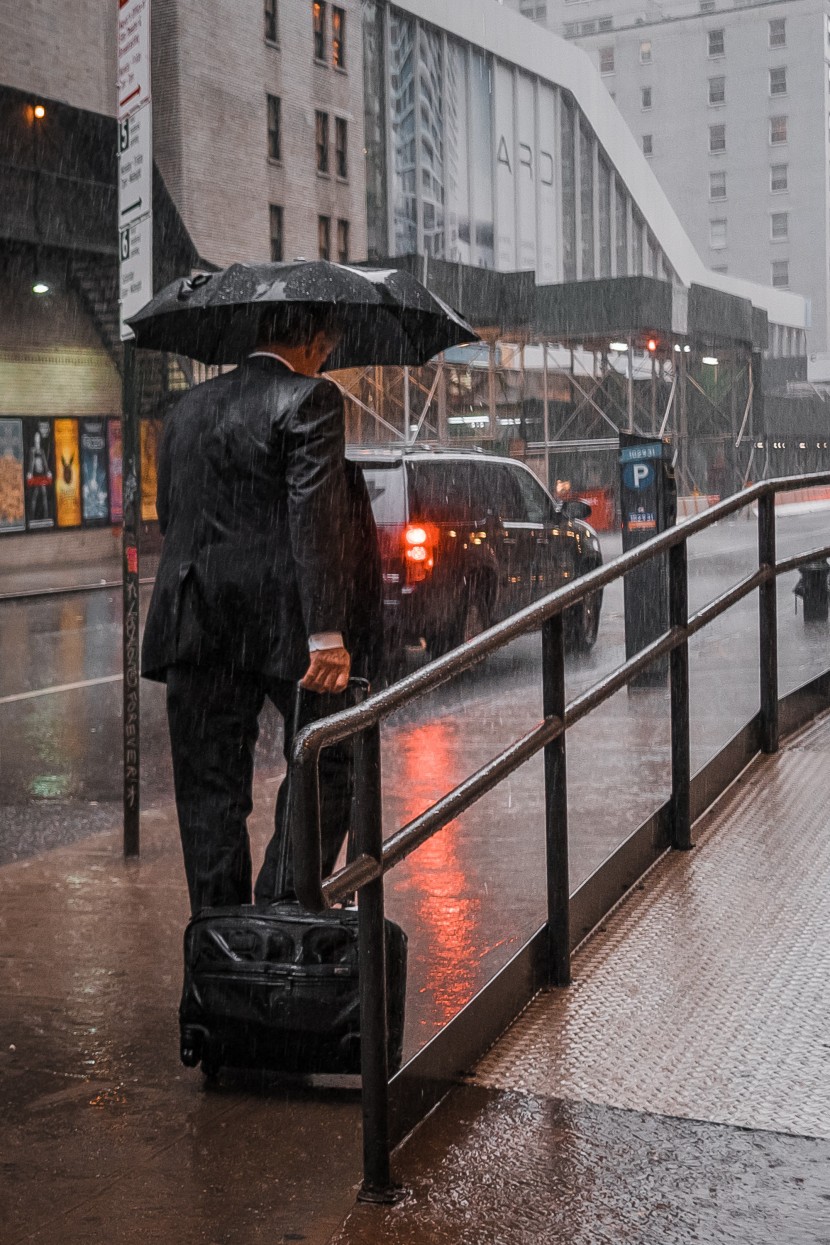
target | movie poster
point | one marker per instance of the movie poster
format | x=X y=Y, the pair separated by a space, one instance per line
x=114 y=446
x=150 y=438
x=67 y=473
x=39 y=475
x=12 y=500
x=94 y=484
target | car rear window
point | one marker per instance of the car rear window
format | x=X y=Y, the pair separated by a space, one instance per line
x=442 y=491
x=385 y=482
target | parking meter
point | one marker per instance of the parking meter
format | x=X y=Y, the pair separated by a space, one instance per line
x=648 y=503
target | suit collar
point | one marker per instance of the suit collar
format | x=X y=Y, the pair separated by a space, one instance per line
x=269 y=356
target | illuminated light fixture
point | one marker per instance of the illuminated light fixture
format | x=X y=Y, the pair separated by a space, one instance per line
x=710 y=359
x=39 y=111
x=651 y=345
x=40 y=287
x=620 y=347
x=677 y=348
x=687 y=350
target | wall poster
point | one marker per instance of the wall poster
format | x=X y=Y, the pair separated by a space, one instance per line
x=39 y=476
x=94 y=484
x=12 y=502
x=150 y=438
x=115 y=450
x=67 y=473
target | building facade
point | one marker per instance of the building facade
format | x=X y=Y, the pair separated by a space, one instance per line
x=288 y=128
x=730 y=104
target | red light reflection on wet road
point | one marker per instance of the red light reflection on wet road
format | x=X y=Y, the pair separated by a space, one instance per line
x=436 y=885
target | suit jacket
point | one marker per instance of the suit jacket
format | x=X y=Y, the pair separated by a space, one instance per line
x=268 y=532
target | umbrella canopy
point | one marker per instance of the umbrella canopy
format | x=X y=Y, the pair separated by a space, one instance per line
x=385 y=316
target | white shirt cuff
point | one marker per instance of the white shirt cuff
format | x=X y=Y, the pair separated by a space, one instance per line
x=325 y=639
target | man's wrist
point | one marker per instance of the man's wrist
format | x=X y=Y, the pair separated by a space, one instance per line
x=325 y=639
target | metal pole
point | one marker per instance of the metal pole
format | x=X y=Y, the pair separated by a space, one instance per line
x=377 y=1176
x=131 y=467
x=768 y=626
x=546 y=410
x=491 y=389
x=681 y=769
x=630 y=389
x=406 y=412
x=556 y=806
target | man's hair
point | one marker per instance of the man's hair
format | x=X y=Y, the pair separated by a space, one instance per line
x=296 y=326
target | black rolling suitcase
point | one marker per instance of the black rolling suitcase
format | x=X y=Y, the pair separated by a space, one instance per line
x=277 y=988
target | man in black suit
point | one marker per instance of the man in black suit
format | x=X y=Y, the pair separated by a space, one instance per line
x=269 y=574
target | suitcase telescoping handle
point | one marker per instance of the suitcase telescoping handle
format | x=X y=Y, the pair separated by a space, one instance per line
x=310 y=707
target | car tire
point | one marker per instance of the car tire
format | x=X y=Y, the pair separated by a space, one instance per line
x=584 y=623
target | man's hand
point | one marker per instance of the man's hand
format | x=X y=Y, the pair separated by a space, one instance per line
x=328 y=671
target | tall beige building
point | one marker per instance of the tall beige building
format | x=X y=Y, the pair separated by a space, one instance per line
x=729 y=100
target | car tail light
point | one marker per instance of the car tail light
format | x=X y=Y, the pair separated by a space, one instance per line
x=419 y=541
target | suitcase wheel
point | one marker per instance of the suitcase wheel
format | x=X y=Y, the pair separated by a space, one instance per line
x=190 y=1049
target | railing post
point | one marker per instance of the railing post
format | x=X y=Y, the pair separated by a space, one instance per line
x=556 y=805
x=368 y=839
x=768 y=625
x=681 y=776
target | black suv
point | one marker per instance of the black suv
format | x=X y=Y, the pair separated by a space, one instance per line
x=467 y=539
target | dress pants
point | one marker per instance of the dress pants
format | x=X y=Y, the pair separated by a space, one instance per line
x=213 y=714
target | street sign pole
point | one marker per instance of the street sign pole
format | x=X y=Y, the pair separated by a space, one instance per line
x=131 y=470
x=135 y=259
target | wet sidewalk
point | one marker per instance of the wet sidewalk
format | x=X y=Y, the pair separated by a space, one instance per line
x=679 y=1091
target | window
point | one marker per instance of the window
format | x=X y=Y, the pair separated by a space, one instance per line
x=342 y=242
x=274 y=128
x=341 y=147
x=778 y=130
x=717 y=90
x=645 y=97
x=605 y=23
x=781 y=273
x=717 y=185
x=717 y=234
x=275 y=225
x=648 y=145
x=324 y=237
x=707 y=6
x=338 y=38
x=717 y=138
x=271 y=27
x=645 y=52
x=318 y=18
x=321 y=124
x=778 y=32
x=717 y=45
x=778 y=81
x=779 y=226
x=778 y=178
x=537 y=507
x=606 y=60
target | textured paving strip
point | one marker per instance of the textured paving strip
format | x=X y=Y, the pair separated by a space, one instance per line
x=707 y=994
x=679 y=1091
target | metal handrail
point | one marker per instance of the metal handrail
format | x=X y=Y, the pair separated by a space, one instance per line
x=373 y=857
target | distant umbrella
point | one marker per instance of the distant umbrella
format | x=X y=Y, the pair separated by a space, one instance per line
x=385 y=315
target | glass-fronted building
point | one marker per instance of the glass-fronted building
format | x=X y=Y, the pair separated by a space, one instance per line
x=488 y=148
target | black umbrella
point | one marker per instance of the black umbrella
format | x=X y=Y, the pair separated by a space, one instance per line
x=385 y=315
